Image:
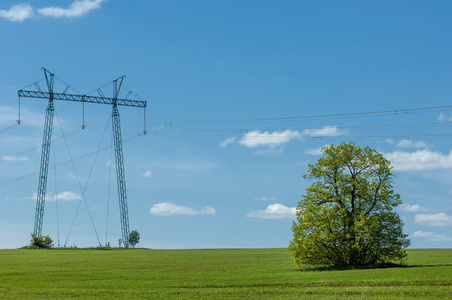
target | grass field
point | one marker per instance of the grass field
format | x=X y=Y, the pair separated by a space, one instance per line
x=213 y=273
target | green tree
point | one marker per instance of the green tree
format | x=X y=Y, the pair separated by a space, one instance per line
x=134 y=238
x=41 y=241
x=347 y=217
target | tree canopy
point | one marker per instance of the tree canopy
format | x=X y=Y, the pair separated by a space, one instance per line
x=347 y=217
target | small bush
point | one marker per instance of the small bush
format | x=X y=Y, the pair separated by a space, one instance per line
x=41 y=242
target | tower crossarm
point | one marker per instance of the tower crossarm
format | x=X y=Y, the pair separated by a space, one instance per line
x=81 y=98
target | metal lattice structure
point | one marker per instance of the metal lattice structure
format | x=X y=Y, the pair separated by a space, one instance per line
x=120 y=176
x=47 y=138
x=81 y=98
x=44 y=169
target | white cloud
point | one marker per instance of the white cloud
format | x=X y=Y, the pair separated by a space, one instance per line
x=18 y=140
x=442 y=118
x=257 y=138
x=76 y=177
x=170 y=209
x=147 y=174
x=317 y=151
x=410 y=144
x=227 y=141
x=18 y=13
x=21 y=12
x=267 y=199
x=63 y=196
x=439 y=219
x=270 y=151
x=274 y=211
x=67 y=196
x=14 y=158
x=419 y=160
x=77 y=9
x=195 y=165
x=325 y=131
x=432 y=236
x=412 y=208
x=10 y=115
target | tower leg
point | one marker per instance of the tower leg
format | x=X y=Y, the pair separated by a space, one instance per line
x=43 y=171
x=120 y=176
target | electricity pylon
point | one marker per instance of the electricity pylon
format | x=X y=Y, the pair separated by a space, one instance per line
x=47 y=138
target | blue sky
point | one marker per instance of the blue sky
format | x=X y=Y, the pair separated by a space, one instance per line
x=241 y=96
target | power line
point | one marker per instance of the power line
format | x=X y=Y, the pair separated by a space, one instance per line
x=39 y=146
x=197 y=132
x=358 y=127
x=3 y=130
x=251 y=53
x=319 y=137
x=312 y=117
x=302 y=71
x=241 y=126
x=274 y=138
x=73 y=160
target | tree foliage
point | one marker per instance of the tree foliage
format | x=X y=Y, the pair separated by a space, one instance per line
x=347 y=217
x=134 y=238
x=41 y=241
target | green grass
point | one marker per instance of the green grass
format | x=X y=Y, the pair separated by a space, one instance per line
x=216 y=273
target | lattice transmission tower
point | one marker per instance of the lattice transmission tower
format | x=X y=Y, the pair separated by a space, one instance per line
x=47 y=138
